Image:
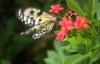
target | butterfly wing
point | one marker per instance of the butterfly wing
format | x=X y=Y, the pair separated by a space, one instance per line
x=43 y=31
x=28 y=16
x=39 y=22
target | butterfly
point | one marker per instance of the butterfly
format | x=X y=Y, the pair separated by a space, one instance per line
x=39 y=22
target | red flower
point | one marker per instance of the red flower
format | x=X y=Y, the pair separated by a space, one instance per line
x=61 y=34
x=86 y=25
x=81 y=22
x=67 y=23
x=56 y=8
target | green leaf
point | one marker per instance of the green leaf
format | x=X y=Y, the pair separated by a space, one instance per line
x=70 y=48
x=88 y=4
x=76 y=58
x=52 y=55
x=96 y=55
x=49 y=61
x=58 y=45
x=74 y=39
x=98 y=14
x=96 y=48
x=58 y=56
x=75 y=7
x=55 y=58
x=82 y=49
x=96 y=7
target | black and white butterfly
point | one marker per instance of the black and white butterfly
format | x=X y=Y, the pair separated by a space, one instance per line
x=39 y=22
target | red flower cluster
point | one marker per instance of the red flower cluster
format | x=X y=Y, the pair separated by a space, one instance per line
x=56 y=8
x=67 y=23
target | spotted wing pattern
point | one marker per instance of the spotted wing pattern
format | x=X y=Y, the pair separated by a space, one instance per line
x=39 y=22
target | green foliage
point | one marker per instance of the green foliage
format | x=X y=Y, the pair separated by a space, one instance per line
x=61 y=57
x=81 y=47
x=56 y=57
x=74 y=39
x=75 y=7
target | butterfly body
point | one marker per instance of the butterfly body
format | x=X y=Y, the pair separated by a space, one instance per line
x=39 y=22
